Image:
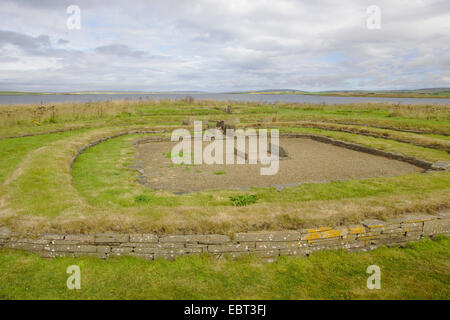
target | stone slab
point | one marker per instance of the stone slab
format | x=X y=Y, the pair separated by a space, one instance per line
x=438 y=226
x=268 y=236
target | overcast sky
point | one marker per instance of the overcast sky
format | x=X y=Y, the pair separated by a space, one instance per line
x=223 y=45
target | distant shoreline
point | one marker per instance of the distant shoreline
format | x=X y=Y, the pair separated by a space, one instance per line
x=46 y=99
x=437 y=95
x=375 y=94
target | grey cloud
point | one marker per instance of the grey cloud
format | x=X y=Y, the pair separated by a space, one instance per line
x=119 y=50
x=23 y=41
x=221 y=46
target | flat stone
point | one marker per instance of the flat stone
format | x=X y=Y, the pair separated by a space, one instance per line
x=80 y=238
x=332 y=233
x=52 y=236
x=177 y=251
x=111 y=237
x=314 y=230
x=413 y=227
x=374 y=223
x=64 y=242
x=353 y=245
x=122 y=250
x=32 y=241
x=443 y=214
x=212 y=239
x=372 y=232
x=415 y=235
x=441 y=165
x=52 y=254
x=413 y=218
x=222 y=248
x=153 y=245
x=193 y=245
x=103 y=249
x=4 y=232
x=393 y=231
x=268 y=236
x=326 y=242
x=143 y=238
x=268 y=245
x=178 y=238
x=71 y=248
x=356 y=229
x=202 y=239
x=298 y=252
x=438 y=226
x=24 y=246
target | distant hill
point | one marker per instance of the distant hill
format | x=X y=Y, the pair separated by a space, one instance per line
x=272 y=91
x=406 y=93
x=443 y=92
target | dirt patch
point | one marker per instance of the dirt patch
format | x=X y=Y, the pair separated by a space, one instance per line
x=308 y=161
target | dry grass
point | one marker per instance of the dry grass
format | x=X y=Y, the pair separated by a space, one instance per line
x=15 y=115
x=23 y=115
x=419 y=271
x=39 y=195
x=406 y=137
x=228 y=220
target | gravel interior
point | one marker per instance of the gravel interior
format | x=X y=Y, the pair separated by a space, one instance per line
x=308 y=161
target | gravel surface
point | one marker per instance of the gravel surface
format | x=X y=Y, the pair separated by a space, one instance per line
x=308 y=161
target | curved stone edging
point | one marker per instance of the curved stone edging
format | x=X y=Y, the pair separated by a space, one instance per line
x=439 y=165
x=96 y=142
x=268 y=245
x=427 y=165
x=373 y=135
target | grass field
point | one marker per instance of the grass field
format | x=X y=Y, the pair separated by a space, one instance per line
x=42 y=192
x=419 y=271
x=47 y=185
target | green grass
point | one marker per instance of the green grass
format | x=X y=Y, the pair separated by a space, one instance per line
x=101 y=192
x=102 y=176
x=12 y=151
x=41 y=192
x=22 y=119
x=244 y=200
x=420 y=271
x=377 y=143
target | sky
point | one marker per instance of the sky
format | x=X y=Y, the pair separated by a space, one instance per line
x=224 y=45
